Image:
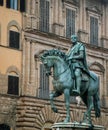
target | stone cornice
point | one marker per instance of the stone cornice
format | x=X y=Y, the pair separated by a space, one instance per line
x=57 y=41
x=94 y=9
x=74 y=2
x=96 y=48
x=104 y=37
x=48 y=38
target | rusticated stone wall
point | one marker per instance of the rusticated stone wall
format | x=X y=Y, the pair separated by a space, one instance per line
x=3 y=83
x=8 y=106
x=36 y=114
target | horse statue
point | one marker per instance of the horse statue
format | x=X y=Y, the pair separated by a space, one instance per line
x=64 y=83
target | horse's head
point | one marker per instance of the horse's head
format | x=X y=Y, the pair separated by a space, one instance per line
x=47 y=62
x=50 y=57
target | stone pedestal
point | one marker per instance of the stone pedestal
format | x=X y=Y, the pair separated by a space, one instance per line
x=75 y=126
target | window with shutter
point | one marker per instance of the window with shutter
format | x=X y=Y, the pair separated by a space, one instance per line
x=22 y=5
x=70 y=22
x=8 y=3
x=13 y=4
x=14 y=39
x=13 y=85
x=44 y=83
x=93 y=30
x=44 y=15
x=1 y=2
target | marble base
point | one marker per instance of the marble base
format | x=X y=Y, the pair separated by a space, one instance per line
x=75 y=126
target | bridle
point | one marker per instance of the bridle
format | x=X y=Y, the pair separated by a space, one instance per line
x=52 y=75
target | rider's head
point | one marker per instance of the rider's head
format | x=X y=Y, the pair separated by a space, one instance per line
x=74 y=38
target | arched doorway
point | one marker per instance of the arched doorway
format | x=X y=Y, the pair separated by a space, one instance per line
x=4 y=127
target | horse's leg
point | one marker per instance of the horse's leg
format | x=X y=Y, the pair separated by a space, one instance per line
x=96 y=102
x=67 y=101
x=88 y=100
x=84 y=99
x=87 y=115
x=90 y=106
x=52 y=96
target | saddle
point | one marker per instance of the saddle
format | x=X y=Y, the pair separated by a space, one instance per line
x=84 y=77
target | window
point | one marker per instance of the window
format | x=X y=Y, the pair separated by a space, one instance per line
x=44 y=15
x=93 y=30
x=70 y=22
x=13 y=4
x=13 y=85
x=14 y=39
x=16 y=4
x=44 y=83
x=4 y=127
x=22 y=5
x=1 y=2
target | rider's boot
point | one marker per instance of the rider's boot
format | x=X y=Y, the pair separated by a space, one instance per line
x=76 y=92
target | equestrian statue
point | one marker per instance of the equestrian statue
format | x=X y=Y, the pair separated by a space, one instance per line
x=72 y=77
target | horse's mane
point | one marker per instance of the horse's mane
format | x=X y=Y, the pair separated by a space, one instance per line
x=55 y=52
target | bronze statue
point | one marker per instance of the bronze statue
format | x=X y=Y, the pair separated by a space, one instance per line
x=68 y=69
x=76 y=58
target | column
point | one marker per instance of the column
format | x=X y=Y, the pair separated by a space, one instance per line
x=56 y=17
x=51 y=14
x=106 y=20
x=60 y=18
x=37 y=14
x=23 y=67
x=32 y=64
x=33 y=7
x=80 y=15
x=56 y=11
x=84 y=21
x=27 y=61
x=103 y=21
x=28 y=6
x=105 y=78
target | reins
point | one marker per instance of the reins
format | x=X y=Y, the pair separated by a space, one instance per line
x=55 y=77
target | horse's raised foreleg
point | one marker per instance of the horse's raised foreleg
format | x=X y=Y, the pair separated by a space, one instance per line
x=67 y=101
x=52 y=96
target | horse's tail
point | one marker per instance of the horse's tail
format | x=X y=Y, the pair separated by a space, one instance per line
x=97 y=105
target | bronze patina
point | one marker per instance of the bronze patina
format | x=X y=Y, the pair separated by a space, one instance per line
x=72 y=77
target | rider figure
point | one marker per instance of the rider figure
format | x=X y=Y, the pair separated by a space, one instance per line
x=76 y=57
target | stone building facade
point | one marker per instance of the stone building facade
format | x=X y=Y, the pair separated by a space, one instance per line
x=31 y=26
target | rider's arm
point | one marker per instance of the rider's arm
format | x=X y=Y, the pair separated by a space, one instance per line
x=68 y=55
x=81 y=53
x=80 y=56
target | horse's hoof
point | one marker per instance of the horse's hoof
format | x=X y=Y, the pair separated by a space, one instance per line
x=86 y=122
x=66 y=120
